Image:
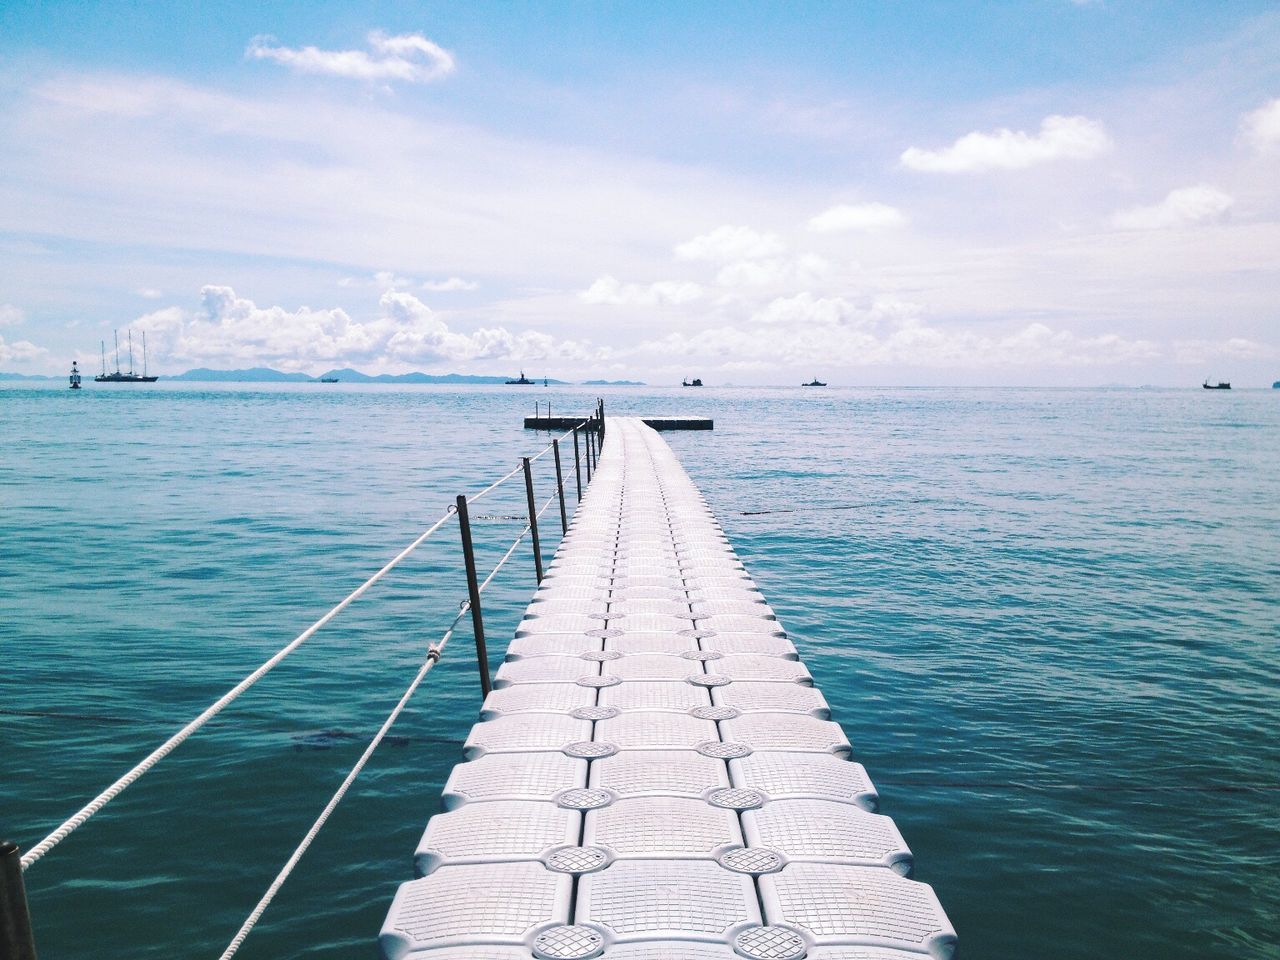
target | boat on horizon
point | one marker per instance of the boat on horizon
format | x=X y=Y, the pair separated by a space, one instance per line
x=1220 y=385
x=328 y=379
x=815 y=382
x=523 y=381
x=695 y=382
x=117 y=376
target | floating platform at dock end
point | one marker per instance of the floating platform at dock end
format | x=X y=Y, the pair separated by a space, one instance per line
x=654 y=775
x=657 y=423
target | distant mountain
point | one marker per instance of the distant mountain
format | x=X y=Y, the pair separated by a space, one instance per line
x=1276 y=385
x=26 y=376
x=252 y=375
x=614 y=383
x=348 y=375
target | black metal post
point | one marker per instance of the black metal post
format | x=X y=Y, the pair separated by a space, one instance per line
x=601 y=401
x=473 y=595
x=587 y=452
x=533 y=520
x=564 y=517
x=577 y=463
x=17 y=942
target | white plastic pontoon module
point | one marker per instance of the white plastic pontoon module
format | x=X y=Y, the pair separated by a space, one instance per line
x=654 y=777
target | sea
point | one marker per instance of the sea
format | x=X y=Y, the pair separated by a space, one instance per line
x=1047 y=619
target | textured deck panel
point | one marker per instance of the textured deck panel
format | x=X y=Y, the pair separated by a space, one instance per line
x=654 y=776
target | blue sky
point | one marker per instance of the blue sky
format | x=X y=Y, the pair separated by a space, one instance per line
x=1039 y=192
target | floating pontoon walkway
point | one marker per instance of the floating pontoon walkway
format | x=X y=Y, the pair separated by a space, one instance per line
x=654 y=776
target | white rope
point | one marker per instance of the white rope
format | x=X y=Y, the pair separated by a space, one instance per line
x=109 y=794
x=493 y=486
x=433 y=657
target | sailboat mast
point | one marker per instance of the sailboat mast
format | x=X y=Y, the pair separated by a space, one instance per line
x=144 y=353
x=104 y=357
x=131 y=351
x=116 y=334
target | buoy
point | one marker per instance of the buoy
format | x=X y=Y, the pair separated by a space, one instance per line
x=75 y=376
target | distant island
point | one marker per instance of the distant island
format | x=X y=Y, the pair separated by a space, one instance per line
x=251 y=375
x=1276 y=385
x=345 y=375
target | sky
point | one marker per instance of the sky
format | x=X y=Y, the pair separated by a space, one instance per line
x=1024 y=192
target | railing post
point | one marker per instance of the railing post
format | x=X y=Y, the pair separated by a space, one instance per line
x=533 y=520
x=564 y=517
x=577 y=463
x=17 y=942
x=587 y=451
x=473 y=595
x=601 y=402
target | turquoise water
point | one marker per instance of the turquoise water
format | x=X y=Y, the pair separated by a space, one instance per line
x=1048 y=621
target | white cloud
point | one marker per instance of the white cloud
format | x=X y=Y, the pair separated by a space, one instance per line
x=802 y=270
x=21 y=351
x=149 y=293
x=10 y=315
x=1262 y=127
x=410 y=57
x=338 y=184
x=863 y=216
x=450 y=285
x=1183 y=207
x=609 y=290
x=233 y=330
x=729 y=243
x=1074 y=138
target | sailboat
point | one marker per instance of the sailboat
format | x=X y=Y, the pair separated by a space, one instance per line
x=117 y=376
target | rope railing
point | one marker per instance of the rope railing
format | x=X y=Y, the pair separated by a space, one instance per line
x=81 y=816
x=434 y=653
x=120 y=785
